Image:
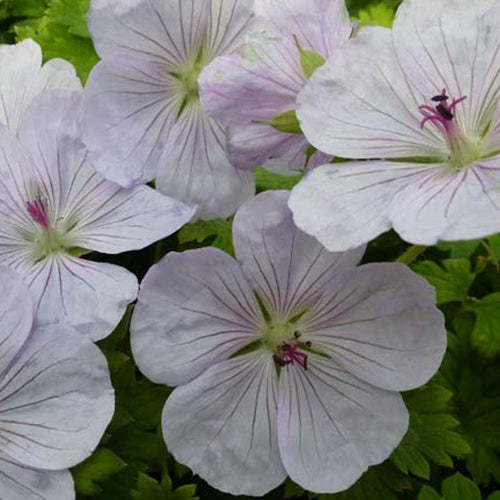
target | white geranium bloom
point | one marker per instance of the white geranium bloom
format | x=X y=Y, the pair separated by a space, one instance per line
x=54 y=207
x=421 y=104
x=56 y=399
x=288 y=360
x=144 y=118
x=23 y=78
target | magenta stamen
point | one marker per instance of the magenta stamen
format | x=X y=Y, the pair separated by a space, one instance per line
x=290 y=353
x=37 y=209
x=441 y=115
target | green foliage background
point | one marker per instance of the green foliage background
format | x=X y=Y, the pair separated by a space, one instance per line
x=452 y=449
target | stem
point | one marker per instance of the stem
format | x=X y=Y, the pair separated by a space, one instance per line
x=411 y=254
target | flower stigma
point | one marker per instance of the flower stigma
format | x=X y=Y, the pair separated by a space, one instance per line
x=464 y=151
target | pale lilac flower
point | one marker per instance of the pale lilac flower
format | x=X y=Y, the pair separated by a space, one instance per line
x=144 y=119
x=254 y=87
x=23 y=78
x=54 y=207
x=344 y=340
x=421 y=104
x=56 y=399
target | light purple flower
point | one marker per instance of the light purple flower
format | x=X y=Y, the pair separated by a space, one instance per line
x=421 y=104
x=344 y=340
x=22 y=78
x=54 y=207
x=248 y=90
x=56 y=399
x=144 y=119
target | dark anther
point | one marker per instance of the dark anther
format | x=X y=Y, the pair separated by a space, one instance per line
x=308 y=343
x=444 y=112
x=281 y=362
x=439 y=98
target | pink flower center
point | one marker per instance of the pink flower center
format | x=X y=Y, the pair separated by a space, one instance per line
x=442 y=114
x=289 y=352
x=37 y=210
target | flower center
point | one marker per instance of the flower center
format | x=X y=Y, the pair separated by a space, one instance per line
x=464 y=150
x=282 y=339
x=50 y=239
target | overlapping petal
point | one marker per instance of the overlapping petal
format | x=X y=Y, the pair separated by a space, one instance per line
x=223 y=425
x=56 y=400
x=288 y=268
x=452 y=44
x=332 y=426
x=23 y=78
x=360 y=104
x=318 y=25
x=22 y=483
x=16 y=316
x=381 y=325
x=194 y=309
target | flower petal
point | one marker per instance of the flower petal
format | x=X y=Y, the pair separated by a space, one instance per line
x=90 y=296
x=162 y=30
x=194 y=308
x=129 y=107
x=56 y=400
x=22 y=78
x=381 y=324
x=359 y=104
x=223 y=425
x=287 y=268
x=332 y=426
x=451 y=44
x=22 y=483
x=318 y=25
x=196 y=170
x=16 y=315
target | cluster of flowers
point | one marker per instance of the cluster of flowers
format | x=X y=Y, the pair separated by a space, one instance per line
x=289 y=359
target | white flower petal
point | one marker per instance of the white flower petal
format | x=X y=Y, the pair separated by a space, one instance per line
x=90 y=296
x=22 y=78
x=359 y=105
x=452 y=44
x=56 y=400
x=332 y=426
x=318 y=25
x=194 y=309
x=381 y=324
x=161 y=30
x=288 y=268
x=16 y=315
x=223 y=425
x=196 y=170
x=22 y=483
x=130 y=105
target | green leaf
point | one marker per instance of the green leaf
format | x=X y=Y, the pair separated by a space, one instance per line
x=431 y=434
x=486 y=332
x=264 y=180
x=379 y=14
x=286 y=122
x=26 y=8
x=102 y=464
x=70 y=13
x=149 y=489
x=427 y=493
x=452 y=281
x=459 y=249
x=216 y=232
x=458 y=487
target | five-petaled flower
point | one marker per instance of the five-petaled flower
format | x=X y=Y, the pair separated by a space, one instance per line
x=56 y=399
x=254 y=92
x=143 y=114
x=54 y=207
x=419 y=102
x=288 y=360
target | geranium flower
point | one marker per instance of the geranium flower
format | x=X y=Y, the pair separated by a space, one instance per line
x=144 y=119
x=258 y=87
x=424 y=100
x=56 y=399
x=54 y=207
x=288 y=359
x=22 y=78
